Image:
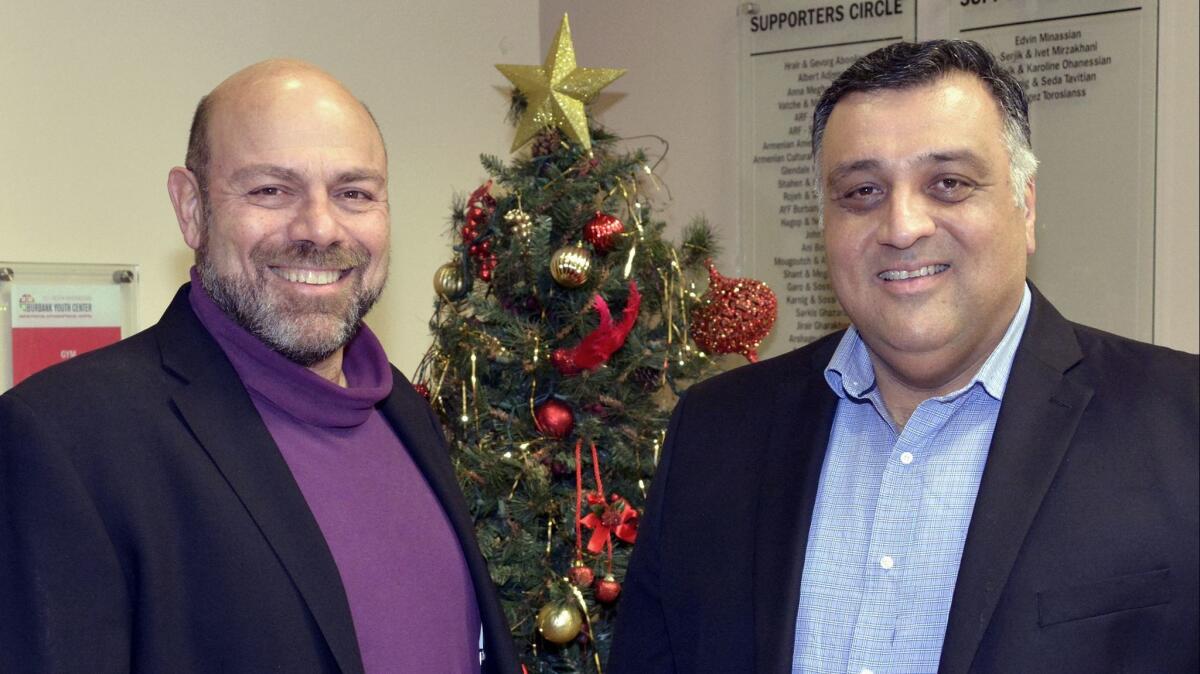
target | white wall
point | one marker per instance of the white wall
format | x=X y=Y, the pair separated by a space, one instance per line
x=96 y=100
x=1177 y=216
x=682 y=84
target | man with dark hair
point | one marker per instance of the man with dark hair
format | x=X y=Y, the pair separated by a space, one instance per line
x=248 y=485
x=962 y=481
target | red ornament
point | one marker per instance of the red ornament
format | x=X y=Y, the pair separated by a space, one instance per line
x=602 y=231
x=580 y=574
x=734 y=315
x=481 y=205
x=618 y=517
x=423 y=390
x=600 y=344
x=607 y=589
x=562 y=361
x=554 y=418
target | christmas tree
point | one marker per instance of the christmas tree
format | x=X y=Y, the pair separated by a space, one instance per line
x=561 y=336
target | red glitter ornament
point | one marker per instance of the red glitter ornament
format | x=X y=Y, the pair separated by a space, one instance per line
x=580 y=574
x=481 y=205
x=554 y=418
x=607 y=589
x=734 y=315
x=602 y=231
x=423 y=390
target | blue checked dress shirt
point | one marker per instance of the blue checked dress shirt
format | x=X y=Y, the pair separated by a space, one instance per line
x=891 y=517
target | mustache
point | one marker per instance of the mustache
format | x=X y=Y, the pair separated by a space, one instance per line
x=308 y=254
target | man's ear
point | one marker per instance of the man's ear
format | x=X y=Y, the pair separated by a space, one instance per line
x=1030 y=217
x=184 y=189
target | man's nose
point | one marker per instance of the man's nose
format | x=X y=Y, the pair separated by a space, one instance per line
x=317 y=221
x=908 y=219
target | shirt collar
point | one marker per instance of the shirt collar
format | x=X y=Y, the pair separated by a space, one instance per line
x=849 y=372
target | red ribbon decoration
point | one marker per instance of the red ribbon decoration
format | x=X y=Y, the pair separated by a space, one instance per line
x=614 y=515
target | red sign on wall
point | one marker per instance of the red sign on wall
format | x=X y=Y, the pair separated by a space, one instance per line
x=38 y=348
x=51 y=324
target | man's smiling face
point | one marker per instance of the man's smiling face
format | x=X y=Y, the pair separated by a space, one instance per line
x=925 y=243
x=294 y=240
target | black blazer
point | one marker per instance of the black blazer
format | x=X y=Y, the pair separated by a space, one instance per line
x=1082 y=550
x=149 y=523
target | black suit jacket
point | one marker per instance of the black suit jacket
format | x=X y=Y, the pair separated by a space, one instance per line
x=149 y=523
x=1082 y=550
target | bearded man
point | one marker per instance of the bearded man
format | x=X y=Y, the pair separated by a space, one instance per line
x=248 y=485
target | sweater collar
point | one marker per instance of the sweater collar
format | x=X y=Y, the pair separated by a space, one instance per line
x=293 y=388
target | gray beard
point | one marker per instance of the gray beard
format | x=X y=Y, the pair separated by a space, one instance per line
x=304 y=332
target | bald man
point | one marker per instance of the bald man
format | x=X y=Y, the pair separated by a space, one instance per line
x=248 y=485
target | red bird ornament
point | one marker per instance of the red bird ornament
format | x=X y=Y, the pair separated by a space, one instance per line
x=600 y=344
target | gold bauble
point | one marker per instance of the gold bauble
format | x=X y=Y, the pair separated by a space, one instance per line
x=570 y=266
x=559 y=623
x=448 y=281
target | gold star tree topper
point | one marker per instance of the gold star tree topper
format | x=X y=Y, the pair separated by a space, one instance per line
x=557 y=90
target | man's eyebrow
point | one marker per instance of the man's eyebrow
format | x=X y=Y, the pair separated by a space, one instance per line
x=842 y=170
x=356 y=175
x=968 y=157
x=291 y=175
x=271 y=170
x=951 y=156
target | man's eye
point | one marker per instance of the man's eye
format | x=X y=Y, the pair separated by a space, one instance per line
x=952 y=189
x=266 y=192
x=861 y=193
x=357 y=195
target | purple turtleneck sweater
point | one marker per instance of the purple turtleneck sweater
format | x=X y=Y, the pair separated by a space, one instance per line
x=402 y=568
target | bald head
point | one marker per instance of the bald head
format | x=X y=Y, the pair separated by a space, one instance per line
x=284 y=199
x=253 y=90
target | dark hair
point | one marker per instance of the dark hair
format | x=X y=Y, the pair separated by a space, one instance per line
x=197 y=157
x=910 y=64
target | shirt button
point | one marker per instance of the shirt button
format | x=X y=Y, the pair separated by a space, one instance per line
x=887 y=562
x=906 y=458
x=866 y=671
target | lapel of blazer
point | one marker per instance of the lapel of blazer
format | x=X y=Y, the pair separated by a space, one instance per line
x=411 y=419
x=1038 y=417
x=802 y=415
x=216 y=407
